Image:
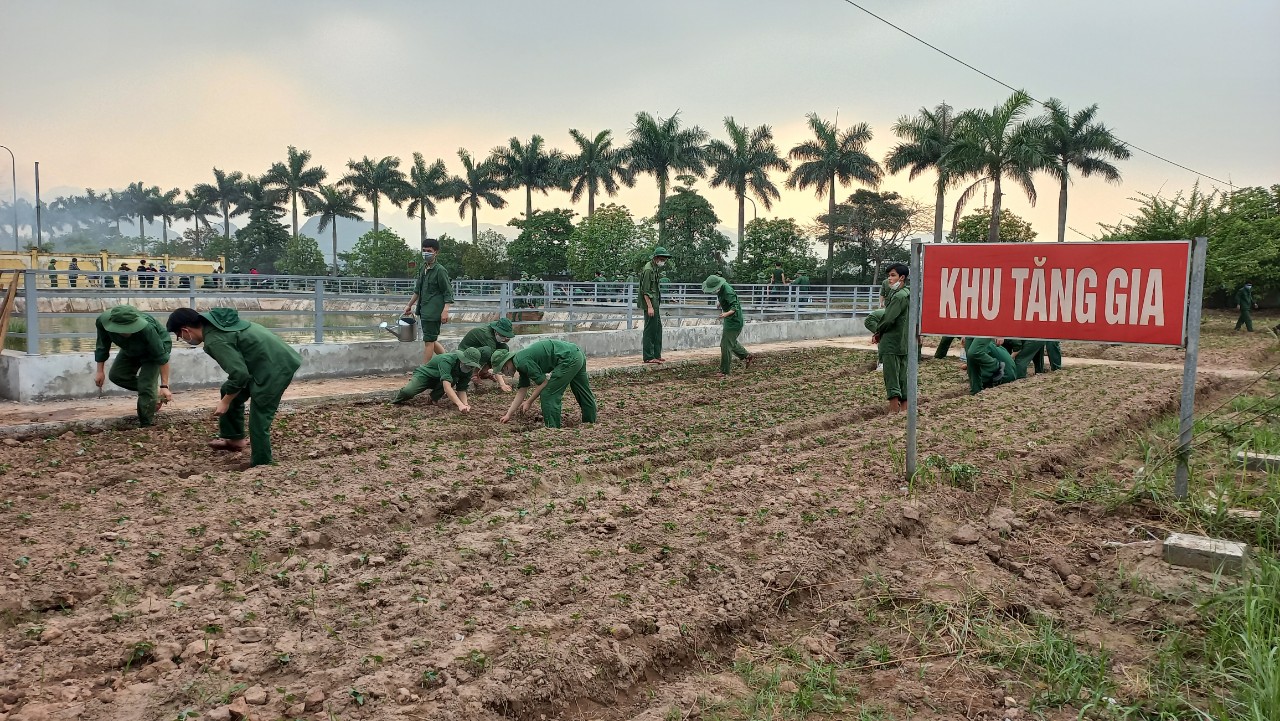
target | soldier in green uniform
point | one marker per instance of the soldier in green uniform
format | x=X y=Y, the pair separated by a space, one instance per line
x=891 y=335
x=732 y=321
x=53 y=279
x=1054 y=351
x=258 y=364
x=988 y=364
x=549 y=366
x=1030 y=354
x=142 y=361
x=492 y=336
x=432 y=298
x=1244 y=299
x=650 y=301
x=446 y=374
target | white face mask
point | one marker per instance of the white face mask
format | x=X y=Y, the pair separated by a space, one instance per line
x=896 y=286
x=659 y=263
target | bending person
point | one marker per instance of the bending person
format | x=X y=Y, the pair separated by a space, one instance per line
x=731 y=323
x=143 y=360
x=447 y=374
x=493 y=336
x=549 y=367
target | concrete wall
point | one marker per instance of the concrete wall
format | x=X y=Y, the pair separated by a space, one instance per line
x=70 y=375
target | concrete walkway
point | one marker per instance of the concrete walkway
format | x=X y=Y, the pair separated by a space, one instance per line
x=38 y=418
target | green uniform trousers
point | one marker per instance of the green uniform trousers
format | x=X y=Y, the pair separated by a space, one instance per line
x=944 y=346
x=1245 y=319
x=895 y=376
x=1031 y=354
x=572 y=374
x=144 y=378
x=1055 y=355
x=652 y=337
x=418 y=383
x=262 y=412
x=730 y=347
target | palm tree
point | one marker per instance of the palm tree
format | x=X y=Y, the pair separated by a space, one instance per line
x=258 y=197
x=116 y=208
x=225 y=192
x=597 y=166
x=479 y=182
x=330 y=203
x=995 y=145
x=372 y=179
x=529 y=166
x=830 y=160
x=659 y=146
x=426 y=185
x=142 y=203
x=926 y=141
x=167 y=206
x=743 y=163
x=296 y=179
x=1076 y=141
x=197 y=208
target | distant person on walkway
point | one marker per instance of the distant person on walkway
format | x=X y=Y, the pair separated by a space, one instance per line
x=74 y=265
x=162 y=270
x=650 y=301
x=124 y=277
x=141 y=363
x=53 y=279
x=143 y=279
x=258 y=364
x=493 y=336
x=432 y=298
x=446 y=374
x=891 y=337
x=549 y=367
x=1244 y=300
x=731 y=320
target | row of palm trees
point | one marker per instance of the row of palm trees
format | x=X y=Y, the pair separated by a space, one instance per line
x=971 y=148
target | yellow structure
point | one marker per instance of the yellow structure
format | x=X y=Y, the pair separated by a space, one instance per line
x=99 y=266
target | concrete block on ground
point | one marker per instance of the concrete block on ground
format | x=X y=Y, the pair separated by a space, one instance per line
x=1207 y=554
x=1258 y=461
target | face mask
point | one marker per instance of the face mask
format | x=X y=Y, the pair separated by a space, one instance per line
x=188 y=341
x=896 y=286
x=428 y=256
x=659 y=263
x=1248 y=285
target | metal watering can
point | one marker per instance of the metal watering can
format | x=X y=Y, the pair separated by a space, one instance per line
x=405 y=329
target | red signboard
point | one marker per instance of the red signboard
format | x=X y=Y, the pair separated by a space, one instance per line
x=1132 y=292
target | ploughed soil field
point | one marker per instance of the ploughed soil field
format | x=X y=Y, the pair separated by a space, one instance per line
x=1221 y=346
x=720 y=550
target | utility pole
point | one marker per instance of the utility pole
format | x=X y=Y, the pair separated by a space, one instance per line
x=37 y=205
x=13 y=166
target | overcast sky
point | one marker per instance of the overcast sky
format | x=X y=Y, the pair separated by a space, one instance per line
x=106 y=93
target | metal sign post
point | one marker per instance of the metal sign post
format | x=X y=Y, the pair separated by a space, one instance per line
x=1186 y=416
x=913 y=353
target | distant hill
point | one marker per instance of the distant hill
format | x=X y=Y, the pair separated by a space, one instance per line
x=349 y=231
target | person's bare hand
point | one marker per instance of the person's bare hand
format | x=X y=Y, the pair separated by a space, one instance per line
x=166 y=396
x=505 y=418
x=444 y=317
x=649 y=312
x=99 y=378
x=223 y=406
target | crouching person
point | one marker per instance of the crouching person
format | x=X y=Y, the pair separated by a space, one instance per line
x=549 y=367
x=142 y=363
x=259 y=366
x=447 y=374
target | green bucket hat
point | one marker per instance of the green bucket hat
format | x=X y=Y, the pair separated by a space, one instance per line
x=661 y=252
x=470 y=358
x=872 y=321
x=124 y=319
x=499 y=359
x=713 y=284
x=503 y=327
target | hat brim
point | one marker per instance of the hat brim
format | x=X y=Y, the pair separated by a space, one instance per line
x=133 y=327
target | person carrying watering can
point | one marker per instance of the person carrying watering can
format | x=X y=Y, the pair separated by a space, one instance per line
x=432 y=298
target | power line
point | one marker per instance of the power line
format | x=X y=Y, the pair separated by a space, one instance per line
x=998 y=81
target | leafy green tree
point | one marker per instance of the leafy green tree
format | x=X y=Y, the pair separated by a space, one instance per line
x=832 y=159
x=330 y=203
x=743 y=164
x=373 y=179
x=610 y=242
x=258 y=197
x=426 y=185
x=597 y=166
x=451 y=254
x=659 y=146
x=1077 y=142
x=224 y=192
x=697 y=247
x=261 y=243
x=872 y=229
x=540 y=251
x=927 y=140
x=530 y=166
x=381 y=254
x=976 y=228
x=296 y=179
x=766 y=241
x=302 y=256
x=997 y=145
x=486 y=258
x=479 y=183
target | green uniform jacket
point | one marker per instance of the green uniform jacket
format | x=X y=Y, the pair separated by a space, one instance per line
x=649 y=286
x=535 y=362
x=481 y=337
x=893 y=327
x=1244 y=298
x=729 y=302
x=445 y=367
x=252 y=356
x=802 y=280
x=775 y=276
x=152 y=344
x=983 y=358
x=434 y=292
